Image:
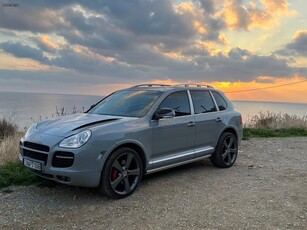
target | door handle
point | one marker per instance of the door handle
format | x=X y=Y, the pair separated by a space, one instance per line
x=218 y=119
x=191 y=124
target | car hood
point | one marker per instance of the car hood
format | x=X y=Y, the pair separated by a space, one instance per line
x=67 y=125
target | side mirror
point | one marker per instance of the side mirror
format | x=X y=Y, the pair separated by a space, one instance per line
x=164 y=113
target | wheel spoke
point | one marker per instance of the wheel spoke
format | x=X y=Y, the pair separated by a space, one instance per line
x=117 y=166
x=229 y=158
x=134 y=172
x=116 y=182
x=233 y=151
x=129 y=159
x=127 y=185
x=225 y=145
x=231 y=140
x=225 y=155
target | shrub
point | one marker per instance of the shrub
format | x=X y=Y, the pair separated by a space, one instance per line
x=275 y=125
x=7 y=128
x=276 y=121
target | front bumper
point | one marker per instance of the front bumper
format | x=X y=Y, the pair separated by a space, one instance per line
x=83 y=170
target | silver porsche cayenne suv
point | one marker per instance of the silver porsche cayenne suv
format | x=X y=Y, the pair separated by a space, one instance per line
x=133 y=132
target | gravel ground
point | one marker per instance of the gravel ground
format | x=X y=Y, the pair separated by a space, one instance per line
x=266 y=188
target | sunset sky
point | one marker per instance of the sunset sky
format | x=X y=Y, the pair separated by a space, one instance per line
x=96 y=47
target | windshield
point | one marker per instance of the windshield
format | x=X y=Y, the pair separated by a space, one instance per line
x=127 y=103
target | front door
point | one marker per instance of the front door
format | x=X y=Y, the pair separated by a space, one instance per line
x=174 y=138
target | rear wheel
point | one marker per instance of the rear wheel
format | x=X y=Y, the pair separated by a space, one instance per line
x=121 y=174
x=226 y=151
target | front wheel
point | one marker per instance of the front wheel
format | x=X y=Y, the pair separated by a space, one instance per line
x=226 y=151
x=121 y=174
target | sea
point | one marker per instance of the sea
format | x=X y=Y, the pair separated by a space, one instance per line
x=23 y=109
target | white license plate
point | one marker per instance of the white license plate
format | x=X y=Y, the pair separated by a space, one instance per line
x=32 y=164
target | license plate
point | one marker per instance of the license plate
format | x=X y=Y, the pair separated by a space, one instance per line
x=32 y=164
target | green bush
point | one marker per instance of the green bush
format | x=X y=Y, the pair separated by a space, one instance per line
x=265 y=132
x=14 y=173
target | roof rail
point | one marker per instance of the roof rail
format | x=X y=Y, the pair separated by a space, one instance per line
x=150 y=85
x=194 y=85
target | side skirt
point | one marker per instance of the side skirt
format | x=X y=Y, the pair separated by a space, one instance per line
x=177 y=164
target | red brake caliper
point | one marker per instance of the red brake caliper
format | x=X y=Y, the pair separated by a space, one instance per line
x=113 y=174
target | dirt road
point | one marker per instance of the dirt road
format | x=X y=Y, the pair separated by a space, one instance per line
x=266 y=189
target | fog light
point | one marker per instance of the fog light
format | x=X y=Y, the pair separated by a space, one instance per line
x=64 y=178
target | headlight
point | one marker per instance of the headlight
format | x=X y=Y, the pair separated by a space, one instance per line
x=31 y=130
x=76 y=140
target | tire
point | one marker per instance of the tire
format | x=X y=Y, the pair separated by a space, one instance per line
x=121 y=174
x=226 y=151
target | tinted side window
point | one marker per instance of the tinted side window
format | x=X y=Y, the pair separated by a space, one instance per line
x=221 y=103
x=202 y=102
x=178 y=101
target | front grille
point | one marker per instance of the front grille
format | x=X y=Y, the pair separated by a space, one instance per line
x=62 y=159
x=36 y=155
x=35 y=146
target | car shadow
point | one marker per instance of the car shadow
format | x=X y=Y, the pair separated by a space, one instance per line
x=203 y=166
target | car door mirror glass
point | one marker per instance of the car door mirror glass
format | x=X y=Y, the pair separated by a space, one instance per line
x=164 y=113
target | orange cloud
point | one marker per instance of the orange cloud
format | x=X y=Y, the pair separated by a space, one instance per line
x=185 y=7
x=9 y=62
x=45 y=39
x=262 y=13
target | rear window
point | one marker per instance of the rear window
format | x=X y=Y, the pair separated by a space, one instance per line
x=220 y=101
x=202 y=102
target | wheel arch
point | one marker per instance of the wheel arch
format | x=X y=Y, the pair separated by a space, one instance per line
x=229 y=129
x=128 y=144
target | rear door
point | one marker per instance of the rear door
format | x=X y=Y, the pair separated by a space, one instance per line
x=174 y=138
x=207 y=121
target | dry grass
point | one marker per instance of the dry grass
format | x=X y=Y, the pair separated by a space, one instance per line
x=7 y=128
x=275 y=121
x=9 y=148
x=9 y=141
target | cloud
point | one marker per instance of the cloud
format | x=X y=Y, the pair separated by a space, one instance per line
x=297 y=47
x=29 y=18
x=299 y=43
x=23 y=51
x=239 y=14
x=45 y=43
x=102 y=42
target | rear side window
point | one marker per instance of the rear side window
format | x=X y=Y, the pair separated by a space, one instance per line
x=178 y=101
x=220 y=101
x=202 y=102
